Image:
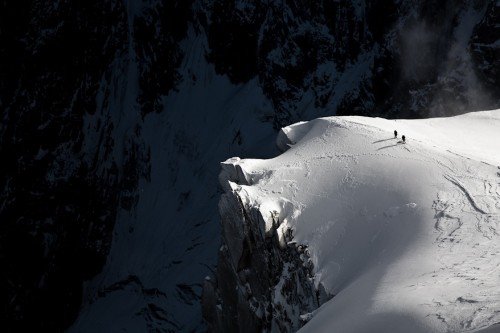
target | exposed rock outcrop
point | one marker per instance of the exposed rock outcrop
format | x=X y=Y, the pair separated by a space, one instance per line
x=264 y=280
x=485 y=46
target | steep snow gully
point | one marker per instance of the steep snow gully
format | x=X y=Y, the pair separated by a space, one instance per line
x=369 y=234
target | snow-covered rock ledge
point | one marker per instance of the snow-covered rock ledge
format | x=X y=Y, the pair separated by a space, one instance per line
x=405 y=235
x=264 y=280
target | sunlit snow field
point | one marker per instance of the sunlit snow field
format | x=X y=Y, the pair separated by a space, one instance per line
x=405 y=235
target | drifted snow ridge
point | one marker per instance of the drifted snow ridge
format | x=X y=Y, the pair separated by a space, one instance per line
x=404 y=236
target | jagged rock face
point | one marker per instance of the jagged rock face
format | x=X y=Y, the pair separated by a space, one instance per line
x=56 y=214
x=261 y=285
x=60 y=198
x=484 y=46
x=70 y=165
x=157 y=32
x=355 y=57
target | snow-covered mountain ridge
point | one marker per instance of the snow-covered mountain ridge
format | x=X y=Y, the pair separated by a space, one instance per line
x=116 y=114
x=405 y=236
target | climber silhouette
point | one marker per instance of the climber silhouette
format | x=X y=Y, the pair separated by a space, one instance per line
x=404 y=139
x=395 y=134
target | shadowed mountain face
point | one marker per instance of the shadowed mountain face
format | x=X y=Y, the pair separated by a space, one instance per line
x=57 y=213
x=83 y=82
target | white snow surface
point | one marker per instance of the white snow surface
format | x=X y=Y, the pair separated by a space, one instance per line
x=406 y=236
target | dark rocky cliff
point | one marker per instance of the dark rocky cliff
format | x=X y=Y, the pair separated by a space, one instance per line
x=264 y=280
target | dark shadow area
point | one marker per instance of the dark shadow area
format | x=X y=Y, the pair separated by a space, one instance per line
x=382 y=140
x=491 y=329
x=389 y=146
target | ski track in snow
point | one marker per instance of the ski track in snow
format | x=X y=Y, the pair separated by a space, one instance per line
x=405 y=235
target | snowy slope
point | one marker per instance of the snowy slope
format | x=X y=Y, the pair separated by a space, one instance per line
x=406 y=236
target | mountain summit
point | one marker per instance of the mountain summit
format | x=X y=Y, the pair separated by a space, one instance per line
x=399 y=237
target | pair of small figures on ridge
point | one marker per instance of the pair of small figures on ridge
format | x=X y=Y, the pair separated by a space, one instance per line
x=396 y=135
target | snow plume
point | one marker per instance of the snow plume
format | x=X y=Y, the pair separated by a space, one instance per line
x=418 y=52
x=436 y=65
